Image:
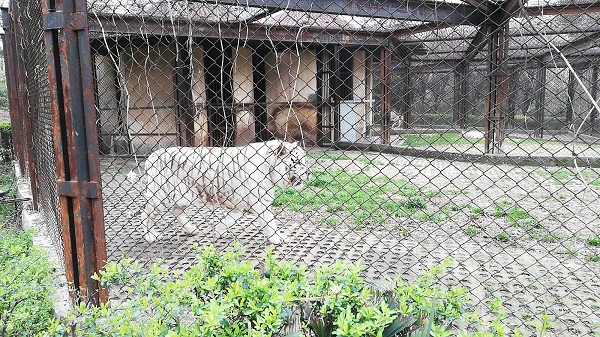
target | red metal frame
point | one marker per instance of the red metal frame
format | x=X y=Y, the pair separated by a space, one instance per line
x=71 y=83
x=11 y=64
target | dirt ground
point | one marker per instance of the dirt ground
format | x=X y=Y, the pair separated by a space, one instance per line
x=539 y=266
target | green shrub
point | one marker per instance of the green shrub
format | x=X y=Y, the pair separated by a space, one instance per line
x=25 y=286
x=225 y=295
x=3 y=88
x=5 y=139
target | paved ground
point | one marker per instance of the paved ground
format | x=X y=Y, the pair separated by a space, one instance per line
x=542 y=266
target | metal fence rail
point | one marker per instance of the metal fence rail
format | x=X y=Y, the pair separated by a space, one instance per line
x=432 y=129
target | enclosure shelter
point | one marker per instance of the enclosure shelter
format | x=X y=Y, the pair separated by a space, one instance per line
x=433 y=129
x=221 y=90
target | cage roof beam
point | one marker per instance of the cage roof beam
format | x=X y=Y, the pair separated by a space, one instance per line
x=405 y=32
x=498 y=18
x=261 y=15
x=560 y=10
x=481 y=5
x=105 y=24
x=572 y=47
x=416 y=10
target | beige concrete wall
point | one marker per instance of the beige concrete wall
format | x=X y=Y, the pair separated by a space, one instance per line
x=243 y=84
x=107 y=104
x=148 y=93
x=243 y=92
x=244 y=127
x=291 y=78
x=199 y=97
x=149 y=97
x=291 y=81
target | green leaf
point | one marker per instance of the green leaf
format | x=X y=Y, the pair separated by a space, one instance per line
x=398 y=325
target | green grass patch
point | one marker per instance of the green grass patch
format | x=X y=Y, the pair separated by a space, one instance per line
x=26 y=308
x=593 y=258
x=421 y=217
x=471 y=231
x=593 y=241
x=448 y=138
x=454 y=192
x=328 y=155
x=453 y=208
x=565 y=176
x=562 y=176
x=332 y=222
x=551 y=238
x=531 y=141
x=571 y=251
x=360 y=199
x=476 y=210
x=502 y=237
x=369 y=161
x=6 y=210
x=515 y=215
x=437 y=217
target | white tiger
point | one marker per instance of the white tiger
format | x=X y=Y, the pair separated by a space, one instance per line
x=235 y=178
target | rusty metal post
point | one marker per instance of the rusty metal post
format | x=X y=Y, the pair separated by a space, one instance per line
x=182 y=78
x=497 y=89
x=71 y=84
x=405 y=92
x=460 y=94
x=594 y=92
x=11 y=64
x=539 y=92
x=512 y=92
x=23 y=112
x=385 y=75
x=570 y=100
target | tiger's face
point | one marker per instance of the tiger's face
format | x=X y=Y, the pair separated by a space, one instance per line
x=292 y=169
x=298 y=171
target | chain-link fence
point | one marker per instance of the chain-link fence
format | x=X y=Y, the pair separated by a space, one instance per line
x=425 y=130
x=30 y=109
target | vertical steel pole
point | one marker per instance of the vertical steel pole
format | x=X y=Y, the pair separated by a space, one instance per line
x=594 y=92
x=498 y=88
x=539 y=91
x=72 y=100
x=182 y=85
x=406 y=92
x=512 y=92
x=571 y=99
x=385 y=72
x=460 y=94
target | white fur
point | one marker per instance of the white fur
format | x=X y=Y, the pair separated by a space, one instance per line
x=474 y=134
x=235 y=178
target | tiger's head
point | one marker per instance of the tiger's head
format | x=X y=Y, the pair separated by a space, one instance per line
x=290 y=168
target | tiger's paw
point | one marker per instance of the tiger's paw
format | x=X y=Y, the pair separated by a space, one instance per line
x=221 y=231
x=151 y=236
x=278 y=238
x=191 y=229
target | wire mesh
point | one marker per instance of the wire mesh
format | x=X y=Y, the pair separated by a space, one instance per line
x=430 y=130
x=35 y=119
x=214 y=74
